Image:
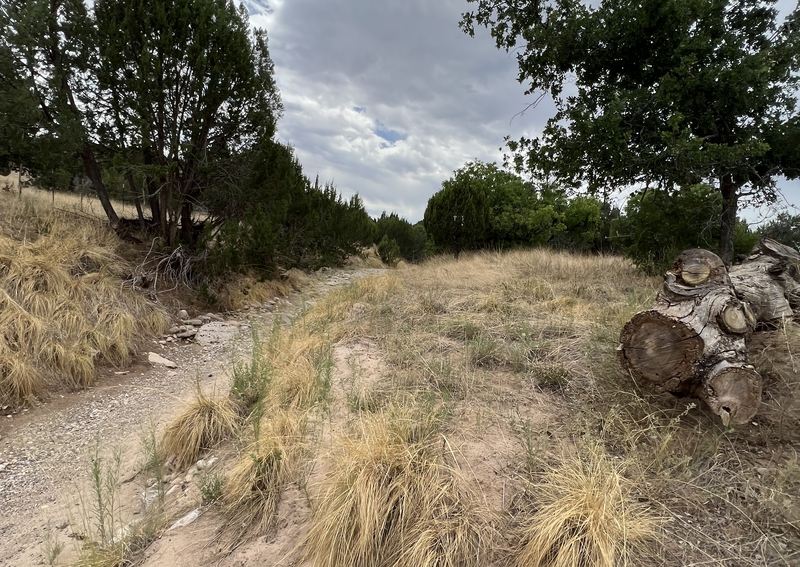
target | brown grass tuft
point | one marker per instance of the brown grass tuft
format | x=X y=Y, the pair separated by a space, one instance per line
x=391 y=500
x=63 y=306
x=202 y=425
x=255 y=486
x=584 y=517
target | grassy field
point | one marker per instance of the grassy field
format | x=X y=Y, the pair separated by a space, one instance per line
x=472 y=412
x=459 y=412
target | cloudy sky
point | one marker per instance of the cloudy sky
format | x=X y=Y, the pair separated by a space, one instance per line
x=387 y=97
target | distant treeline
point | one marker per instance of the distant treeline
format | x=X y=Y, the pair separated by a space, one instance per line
x=483 y=206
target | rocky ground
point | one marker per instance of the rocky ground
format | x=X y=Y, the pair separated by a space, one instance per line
x=46 y=452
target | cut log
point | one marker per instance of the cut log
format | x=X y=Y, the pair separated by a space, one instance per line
x=694 y=339
x=769 y=281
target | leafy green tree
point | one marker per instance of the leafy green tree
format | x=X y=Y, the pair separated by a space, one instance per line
x=48 y=51
x=457 y=217
x=410 y=239
x=784 y=228
x=657 y=93
x=389 y=250
x=658 y=225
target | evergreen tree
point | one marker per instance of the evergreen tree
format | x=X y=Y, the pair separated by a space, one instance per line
x=457 y=217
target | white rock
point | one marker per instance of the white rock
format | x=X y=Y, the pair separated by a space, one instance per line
x=186 y=520
x=183 y=315
x=154 y=358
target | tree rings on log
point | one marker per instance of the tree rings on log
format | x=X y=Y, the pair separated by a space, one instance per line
x=698 y=267
x=659 y=349
x=734 y=318
x=732 y=391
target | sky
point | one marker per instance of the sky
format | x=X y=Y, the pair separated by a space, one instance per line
x=386 y=98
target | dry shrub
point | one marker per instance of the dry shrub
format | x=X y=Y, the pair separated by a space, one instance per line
x=63 y=306
x=389 y=499
x=585 y=517
x=202 y=425
x=255 y=486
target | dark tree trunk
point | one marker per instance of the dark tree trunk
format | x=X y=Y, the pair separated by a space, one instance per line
x=94 y=174
x=730 y=205
x=694 y=340
x=187 y=234
x=137 y=200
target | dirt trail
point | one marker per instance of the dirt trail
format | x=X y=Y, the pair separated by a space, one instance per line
x=46 y=452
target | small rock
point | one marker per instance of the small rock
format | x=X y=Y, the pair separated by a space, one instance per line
x=154 y=358
x=187 y=334
x=148 y=497
x=214 y=317
x=173 y=330
x=201 y=464
x=204 y=318
x=183 y=315
x=186 y=520
x=150 y=482
x=194 y=322
x=192 y=471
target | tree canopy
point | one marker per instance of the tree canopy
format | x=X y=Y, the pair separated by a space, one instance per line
x=484 y=206
x=657 y=93
x=166 y=92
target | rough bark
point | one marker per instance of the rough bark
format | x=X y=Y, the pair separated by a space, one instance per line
x=694 y=340
x=96 y=177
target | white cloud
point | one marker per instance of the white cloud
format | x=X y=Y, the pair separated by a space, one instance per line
x=345 y=66
x=450 y=98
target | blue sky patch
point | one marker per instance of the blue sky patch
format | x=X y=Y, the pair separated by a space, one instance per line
x=387 y=134
x=360 y=109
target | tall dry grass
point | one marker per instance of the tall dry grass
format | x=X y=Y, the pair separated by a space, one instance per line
x=489 y=329
x=64 y=305
x=390 y=500
x=202 y=425
x=585 y=515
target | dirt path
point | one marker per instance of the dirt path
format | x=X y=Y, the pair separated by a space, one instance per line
x=46 y=452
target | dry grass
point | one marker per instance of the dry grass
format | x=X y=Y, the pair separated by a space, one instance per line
x=64 y=306
x=255 y=486
x=490 y=331
x=390 y=499
x=201 y=426
x=238 y=291
x=585 y=516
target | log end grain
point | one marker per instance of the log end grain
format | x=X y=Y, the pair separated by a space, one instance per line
x=660 y=350
x=733 y=392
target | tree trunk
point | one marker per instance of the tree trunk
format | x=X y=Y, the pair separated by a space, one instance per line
x=187 y=232
x=730 y=205
x=96 y=177
x=137 y=200
x=693 y=342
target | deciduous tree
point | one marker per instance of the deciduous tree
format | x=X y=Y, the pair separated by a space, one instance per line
x=657 y=93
